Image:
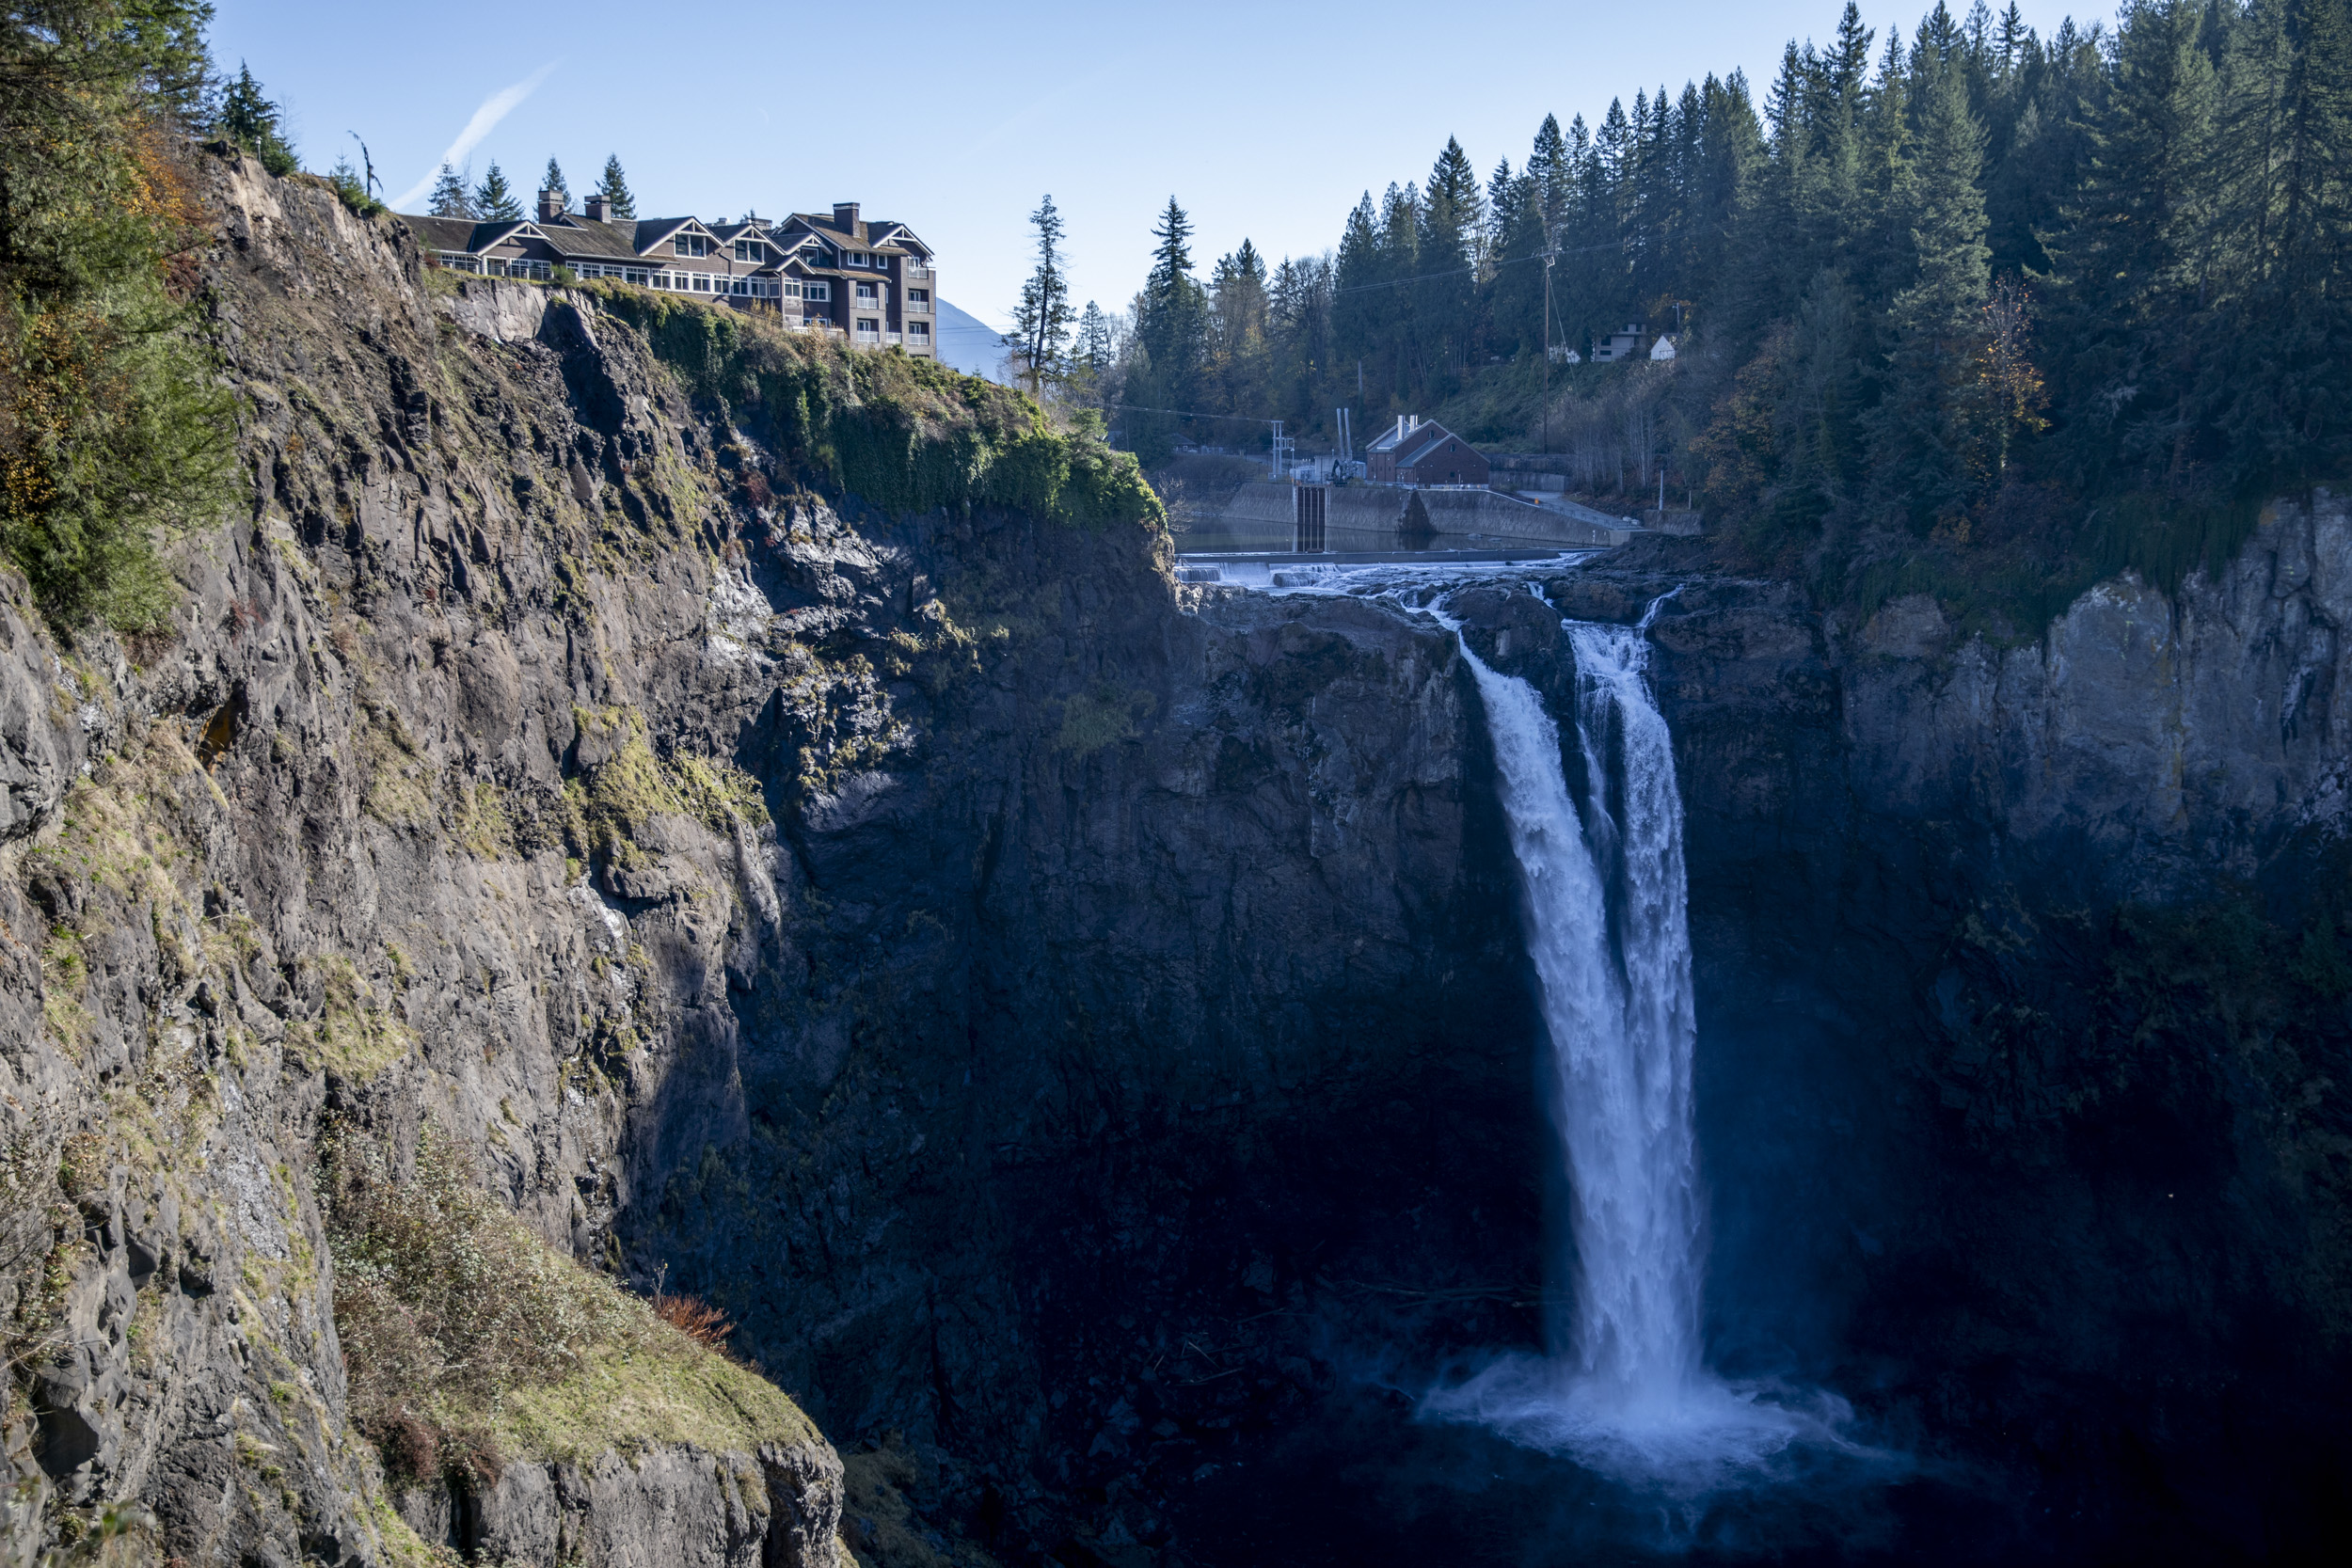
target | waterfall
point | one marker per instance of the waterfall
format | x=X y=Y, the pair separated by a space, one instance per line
x=1626 y=1386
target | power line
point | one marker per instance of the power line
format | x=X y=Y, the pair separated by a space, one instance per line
x=1508 y=261
x=1188 y=414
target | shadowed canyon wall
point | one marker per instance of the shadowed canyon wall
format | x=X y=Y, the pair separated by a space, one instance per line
x=1070 y=1022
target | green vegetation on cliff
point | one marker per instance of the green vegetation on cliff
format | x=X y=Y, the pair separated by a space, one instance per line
x=110 y=428
x=470 y=1341
x=903 y=434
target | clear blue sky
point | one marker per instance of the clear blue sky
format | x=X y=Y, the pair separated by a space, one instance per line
x=1263 y=121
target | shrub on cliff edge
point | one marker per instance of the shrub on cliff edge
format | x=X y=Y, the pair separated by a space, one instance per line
x=905 y=434
x=470 y=1341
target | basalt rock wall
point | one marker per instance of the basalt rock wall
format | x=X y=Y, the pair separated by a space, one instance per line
x=1003 y=986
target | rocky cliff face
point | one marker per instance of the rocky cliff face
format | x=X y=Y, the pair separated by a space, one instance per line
x=1061 y=1018
x=983 y=975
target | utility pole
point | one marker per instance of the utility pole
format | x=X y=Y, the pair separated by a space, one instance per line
x=1549 y=247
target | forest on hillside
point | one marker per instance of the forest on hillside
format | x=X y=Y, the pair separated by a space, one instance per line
x=1964 y=305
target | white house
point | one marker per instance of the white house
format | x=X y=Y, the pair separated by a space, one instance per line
x=1618 y=345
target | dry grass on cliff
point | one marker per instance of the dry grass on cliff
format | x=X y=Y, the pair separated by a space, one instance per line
x=471 y=1342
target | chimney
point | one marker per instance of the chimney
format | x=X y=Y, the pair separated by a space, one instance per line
x=551 y=206
x=844 y=215
x=1401 y=427
x=600 y=211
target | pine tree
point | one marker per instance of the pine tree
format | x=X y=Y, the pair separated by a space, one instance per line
x=1551 y=166
x=553 y=181
x=1170 y=329
x=1092 y=350
x=2275 y=390
x=250 y=119
x=1924 y=437
x=494 y=200
x=450 y=197
x=2135 y=262
x=613 y=187
x=2011 y=38
x=1040 y=322
x=1503 y=197
x=1849 y=59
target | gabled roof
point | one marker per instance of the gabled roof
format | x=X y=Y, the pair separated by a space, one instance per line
x=864 y=234
x=577 y=236
x=796 y=248
x=1436 y=435
x=652 y=231
x=754 y=228
x=467 y=235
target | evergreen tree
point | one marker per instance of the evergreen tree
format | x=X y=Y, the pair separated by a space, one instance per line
x=1170 y=329
x=494 y=200
x=553 y=181
x=2011 y=38
x=1849 y=59
x=613 y=187
x=2134 y=262
x=1237 y=359
x=1091 y=352
x=1552 y=170
x=1503 y=198
x=250 y=119
x=1040 y=321
x=450 y=197
x=1924 y=436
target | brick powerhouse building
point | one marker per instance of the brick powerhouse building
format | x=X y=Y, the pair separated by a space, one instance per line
x=873 y=282
x=1423 y=453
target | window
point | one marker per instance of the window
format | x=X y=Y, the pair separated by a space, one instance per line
x=919 y=297
x=641 y=279
x=858 y=258
x=818 y=291
x=867 y=294
x=868 y=327
x=690 y=245
x=920 y=331
x=749 y=250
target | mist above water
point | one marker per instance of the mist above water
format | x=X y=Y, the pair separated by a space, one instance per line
x=1625 y=1387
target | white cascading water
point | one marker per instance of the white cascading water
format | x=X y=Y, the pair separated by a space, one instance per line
x=1626 y=1387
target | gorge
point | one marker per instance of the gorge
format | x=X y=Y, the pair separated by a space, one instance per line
x=1080 y=1030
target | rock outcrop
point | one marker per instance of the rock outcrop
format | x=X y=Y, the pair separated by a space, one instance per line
x=984 y=975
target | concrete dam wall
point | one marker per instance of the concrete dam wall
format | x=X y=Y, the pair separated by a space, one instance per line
x=1463 y=511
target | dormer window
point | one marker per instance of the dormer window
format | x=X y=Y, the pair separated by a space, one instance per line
x=748 y=250
x=690 y=245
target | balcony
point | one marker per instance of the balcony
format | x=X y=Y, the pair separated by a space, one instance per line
x=917 y=307
x=914 y=274
x=889 y=339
